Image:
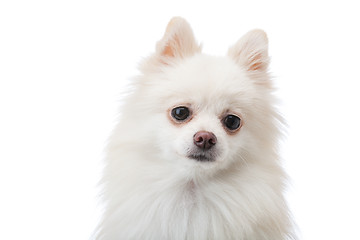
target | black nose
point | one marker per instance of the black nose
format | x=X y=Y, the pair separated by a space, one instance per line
x=204 y=140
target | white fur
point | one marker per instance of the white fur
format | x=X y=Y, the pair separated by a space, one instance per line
x=151 y=190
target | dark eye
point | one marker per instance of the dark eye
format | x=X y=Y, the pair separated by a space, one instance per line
x=232 y=122
x=180 y=113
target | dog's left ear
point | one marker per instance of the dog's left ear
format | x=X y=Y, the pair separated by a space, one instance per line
x=177 y=42
x=251 y=52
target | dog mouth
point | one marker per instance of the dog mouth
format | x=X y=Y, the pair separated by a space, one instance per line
x=202 y=157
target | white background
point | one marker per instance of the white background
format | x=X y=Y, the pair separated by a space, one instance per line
x=63 y=65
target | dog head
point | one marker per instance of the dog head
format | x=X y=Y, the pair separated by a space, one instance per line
x=206 y=112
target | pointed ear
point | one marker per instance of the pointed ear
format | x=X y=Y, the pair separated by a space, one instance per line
x=178 y=41
x=251 y=52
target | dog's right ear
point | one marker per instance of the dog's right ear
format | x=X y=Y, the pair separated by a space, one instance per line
x=177 y=42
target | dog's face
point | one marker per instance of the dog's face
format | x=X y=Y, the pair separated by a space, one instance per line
x=205 y=109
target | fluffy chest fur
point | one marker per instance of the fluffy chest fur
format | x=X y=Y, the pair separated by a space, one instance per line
x=244 y=202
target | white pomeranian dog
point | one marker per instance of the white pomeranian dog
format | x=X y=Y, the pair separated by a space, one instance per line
x=194 y=155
